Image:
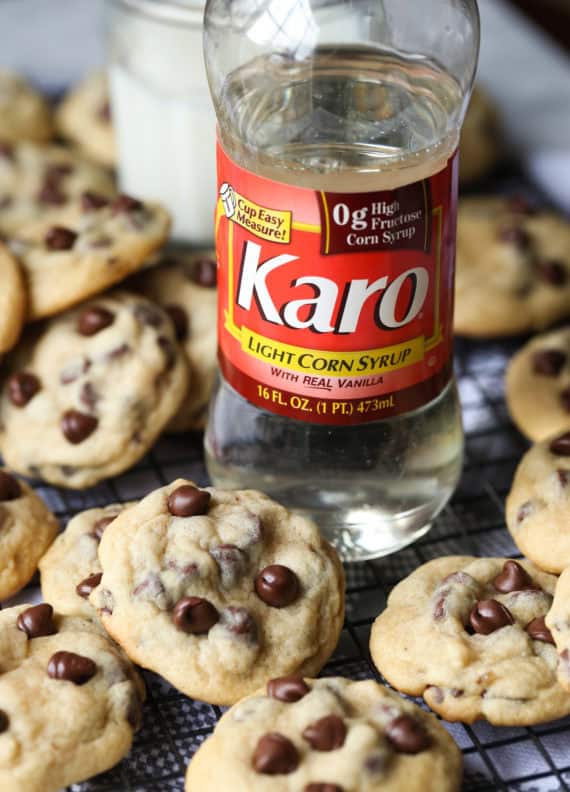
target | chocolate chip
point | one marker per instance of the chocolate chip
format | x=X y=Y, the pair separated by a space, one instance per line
x=487 y=616
x=552 y=272
x=277 y=586
x=4 y=722
x=118 y=352
x=525 y=511
x=188 y=501
x=10 y=488
x=91 y=201
x=60 y=238
x=288 y=688
x=101 y=242
x=204 y=272
x=407 y=735
x=51 y=194
x=37 y=621
x=22 y=387
x=179 y=319
x=564 y=397
x=71 y=667
x=513 y=577
x=93 y=319
x=515 y=235
x=6 y=151
x=239 y=621
x=169 y=351
x=74 y=370
x=326 y=734
x=104 y=112
x=195 y=615
x=125 y=204
x=561 y=445
x=538 y=631
x=323 y=787
x=57 y=172
x=100 y=525
x=148 y=314
x=90 y=583
x=77 y=427
x=231 y=562
x=518 y=204
x=275 y=755
x=89 y=396
x=563 y=477
x=548 y=362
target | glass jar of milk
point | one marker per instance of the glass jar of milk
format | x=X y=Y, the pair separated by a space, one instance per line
x=162 y=113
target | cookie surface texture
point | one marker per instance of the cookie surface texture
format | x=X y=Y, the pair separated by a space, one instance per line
x=24 y=113
x=84 y=118
x=12 y=300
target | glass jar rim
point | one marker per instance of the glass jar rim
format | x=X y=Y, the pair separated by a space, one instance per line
x=179 y=11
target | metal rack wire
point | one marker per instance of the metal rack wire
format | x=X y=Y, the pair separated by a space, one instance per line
x=512 y=760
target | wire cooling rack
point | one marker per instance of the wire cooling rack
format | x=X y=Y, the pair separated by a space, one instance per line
x=518 y=760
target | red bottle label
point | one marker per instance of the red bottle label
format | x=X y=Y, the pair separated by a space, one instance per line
x=335 y=308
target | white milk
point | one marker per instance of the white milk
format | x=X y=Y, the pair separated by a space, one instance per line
x=166 y=127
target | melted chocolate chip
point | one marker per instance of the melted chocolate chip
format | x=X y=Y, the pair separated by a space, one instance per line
x=179 y=319
x=148 y=314
x=10 y=488
x=552 y=272
x=57 y=172
x=288 y=688
x=4 y=722
x=91 y=201
x=195 y=615
x=74 y=370
x=518 y=204
x=239 y=621
x=323 y=787
x=89 y=396
x=60 y=238
x=22 y=388
x=326 y=734
x=118 y=352
x=169 y=351
x=51 y=193
x=188 y=501
x=538 y=631
x=125 y=204
x=525 y=511
x=77 y=427
x=563 y=477
x=71 y=667
x=277 y=586
x=487 y=616
x=548 y=362
x=37 y=621
x=104 y=112
x=275 y=755
x=515 y=235
x=513 y=577
x=90 y=583
x=100 y=525
x=231 y=562
x=204 y=272
x=407 y=735
x=564 y=397
x=93 y=319
x=561 y=445
x=6 y=151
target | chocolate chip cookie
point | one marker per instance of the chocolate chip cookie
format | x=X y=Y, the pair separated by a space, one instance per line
x=27 y=528
x=469 y=635
x=84 y=119
x=480 y=138
x=538 y=385
x=110 y=242
x=558 y=621
x=538 y=505
x=87 y=395
x=42 y=186
x=70 y=569
x=219 y=590
x=326 y=735
x=513 y=268
x=12 y=300
x=24 y=113
x=185 y=286
x=69 y=700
